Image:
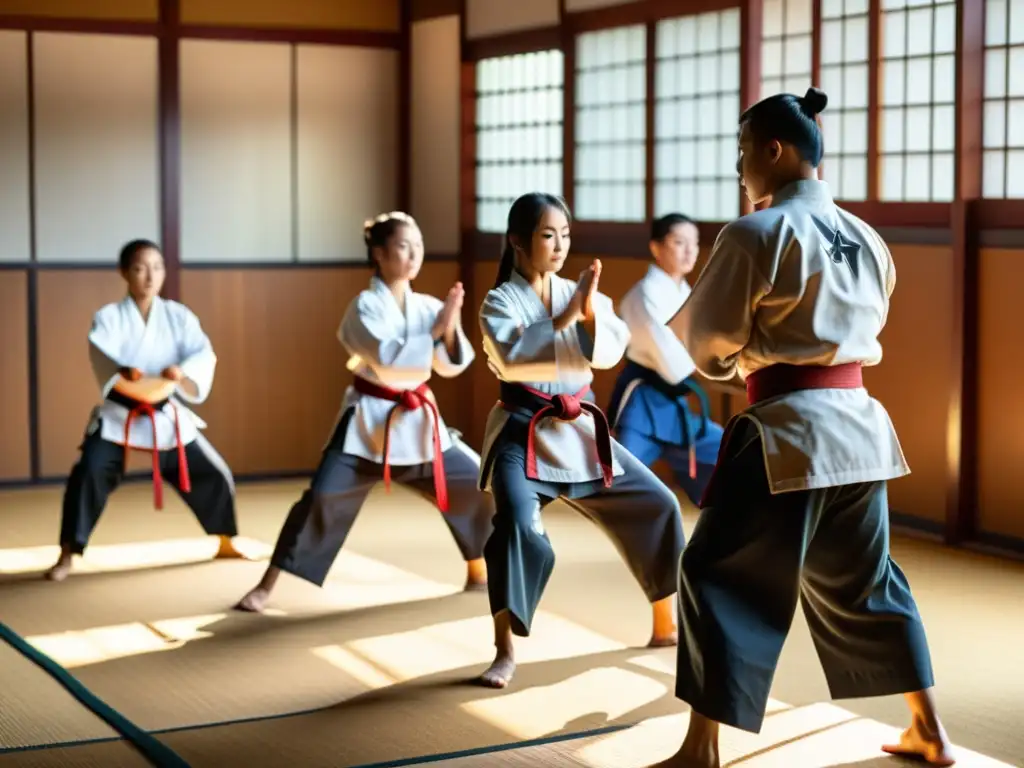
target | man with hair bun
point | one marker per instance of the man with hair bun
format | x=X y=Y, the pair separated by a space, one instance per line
x=793 y=300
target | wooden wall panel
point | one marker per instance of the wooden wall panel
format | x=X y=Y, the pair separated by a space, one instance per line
x=67 y=391
x=122 y=10
x=347 y=135
x=97 y=156
x=434 y=153
x=1000 y=415
x=236 y=151
x=14 y=184
x=381 y=15
x=486 y=18
x=281 y=371
x=915 y=377
x=15 y=462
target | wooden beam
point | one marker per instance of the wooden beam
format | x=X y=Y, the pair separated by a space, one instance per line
x=169 y=116
x=962 y=412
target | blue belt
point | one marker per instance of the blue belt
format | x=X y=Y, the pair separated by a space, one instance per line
x=677 y=392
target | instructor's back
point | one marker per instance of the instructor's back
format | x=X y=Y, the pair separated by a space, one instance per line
x=793 y=300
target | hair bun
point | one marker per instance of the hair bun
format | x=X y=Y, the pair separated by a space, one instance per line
x=815 y=100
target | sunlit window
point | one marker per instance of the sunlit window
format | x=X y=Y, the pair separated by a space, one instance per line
x=519 y=106
x=786 y=33
x=844 y=77
x=611 y=130
x=918 y=100
x=1003 y=168
x=696 y=111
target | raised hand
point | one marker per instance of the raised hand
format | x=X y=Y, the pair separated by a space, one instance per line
x=456 y=298
x=448 y=318
x=588 y=284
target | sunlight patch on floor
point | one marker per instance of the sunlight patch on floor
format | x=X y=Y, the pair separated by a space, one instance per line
x=814 y=736
x=455 y=644
x=98 y=644
x=530 y=713
x=357 y=581
x=103 y=558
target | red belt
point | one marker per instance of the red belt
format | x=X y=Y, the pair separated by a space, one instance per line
x=566 y=408
x=410 y=400
x=184 y=483
x=783 y=379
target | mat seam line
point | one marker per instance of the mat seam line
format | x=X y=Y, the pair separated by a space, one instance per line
x=151 y=748
x=395 y=763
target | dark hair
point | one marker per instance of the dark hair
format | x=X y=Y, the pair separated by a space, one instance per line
x=132 y=249
x=377 y=232
x=790 y=119
x=661 y=228
x=523 y=218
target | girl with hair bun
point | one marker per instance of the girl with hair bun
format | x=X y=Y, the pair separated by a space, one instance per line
x=792 y=300
x=389 y=422
x=546 y=440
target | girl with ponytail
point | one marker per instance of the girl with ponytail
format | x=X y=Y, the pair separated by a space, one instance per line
x=545 y=439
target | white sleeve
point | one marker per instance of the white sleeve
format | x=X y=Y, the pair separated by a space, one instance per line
x=198 y=361
x=715 y=322
x=104 y=343
x=612 y=335
x=527 y=353
x=444 y=365
x=366 y=332
x=656 y=340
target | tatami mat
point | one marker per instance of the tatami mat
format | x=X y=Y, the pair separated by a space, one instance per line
x=377 y=663
x=36 y=709
x=116 y=754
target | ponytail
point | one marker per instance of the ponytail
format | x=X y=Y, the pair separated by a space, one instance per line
x=507 y=263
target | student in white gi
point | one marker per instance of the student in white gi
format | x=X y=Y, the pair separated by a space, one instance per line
x=546 y=440
x=389 y=422
x=794 y=298
x=648 y=411
x=140 y=336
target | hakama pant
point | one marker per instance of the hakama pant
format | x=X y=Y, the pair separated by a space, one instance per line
x=649 y=449
x=753 y=555
x=100 y=470
x=320 y=521
x=638 y=513
x=653 y=420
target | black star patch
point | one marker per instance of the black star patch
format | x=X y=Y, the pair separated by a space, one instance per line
x=839 y=248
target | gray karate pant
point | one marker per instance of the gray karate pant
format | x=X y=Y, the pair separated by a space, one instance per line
x=100 y=470
x=753 y=555
x=320 y=521
x=638 y=513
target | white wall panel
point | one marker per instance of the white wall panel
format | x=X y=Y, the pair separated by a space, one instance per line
x=14 y=192
x=347 y=147
x=236 y=151
x=97 y=151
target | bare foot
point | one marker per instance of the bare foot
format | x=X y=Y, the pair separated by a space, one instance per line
x=476 y=575
x=255 y=601
x=665 y=633
x=59 y=571
x=500 y=673
x=931 y=747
